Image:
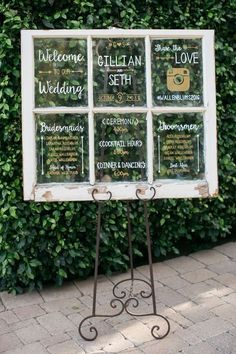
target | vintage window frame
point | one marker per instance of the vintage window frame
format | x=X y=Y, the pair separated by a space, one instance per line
x=165 y=188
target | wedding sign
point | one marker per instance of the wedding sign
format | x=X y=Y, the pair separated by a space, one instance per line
x=116 y=111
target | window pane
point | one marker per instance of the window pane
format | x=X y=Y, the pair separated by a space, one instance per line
x=62 y=148
x=177 y=72
x=119 y=72
x=178 y=142
x=120 y=147
x=60 y=72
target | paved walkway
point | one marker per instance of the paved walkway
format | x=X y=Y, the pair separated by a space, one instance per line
x=196 y=293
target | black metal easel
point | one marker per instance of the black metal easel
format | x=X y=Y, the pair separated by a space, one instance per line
x=125 y=299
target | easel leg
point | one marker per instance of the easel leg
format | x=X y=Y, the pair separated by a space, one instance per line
x=123 y=300
x=130 y=245
x=150 y=256
x=96 y=260
x=92 y=328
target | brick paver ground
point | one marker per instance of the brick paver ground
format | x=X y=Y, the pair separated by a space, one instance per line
x=196 y=293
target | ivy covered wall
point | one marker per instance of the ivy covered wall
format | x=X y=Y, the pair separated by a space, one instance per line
x=54 y=241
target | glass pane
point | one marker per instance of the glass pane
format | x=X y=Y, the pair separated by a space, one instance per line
x=119 y=72
x=120 y=147
x=177 y=72
x=179 y=149
x=60 y=72
x=62 y=148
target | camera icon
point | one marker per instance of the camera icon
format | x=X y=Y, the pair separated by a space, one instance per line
x=178 y=79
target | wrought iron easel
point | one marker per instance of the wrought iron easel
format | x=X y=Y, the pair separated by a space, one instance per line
x=126 y=299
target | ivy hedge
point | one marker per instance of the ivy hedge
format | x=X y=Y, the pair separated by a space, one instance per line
x=50 y=242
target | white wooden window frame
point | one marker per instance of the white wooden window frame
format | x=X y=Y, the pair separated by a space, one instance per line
x=166 y=188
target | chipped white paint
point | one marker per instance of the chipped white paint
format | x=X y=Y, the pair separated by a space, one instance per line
x=83 y=191
x=120 y=191
x=210 y=114
x=28 y=126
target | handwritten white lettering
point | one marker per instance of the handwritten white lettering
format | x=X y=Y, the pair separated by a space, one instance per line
x=57 y=88
x=121 y=61
x=50 y=55
x=183 y=58
x=121 y=164
x=120 y=143
x=54 y=128
x=120 y=121
x=120 y=79
x=179 y=127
